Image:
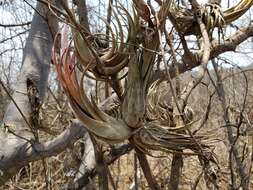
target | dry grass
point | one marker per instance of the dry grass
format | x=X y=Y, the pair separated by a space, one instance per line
x=55 y=115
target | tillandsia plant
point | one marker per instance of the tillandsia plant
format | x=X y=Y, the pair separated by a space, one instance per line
x=99 y=123
x=140 y=61
x=138 y=57
x=210 y=13
x=144 y=118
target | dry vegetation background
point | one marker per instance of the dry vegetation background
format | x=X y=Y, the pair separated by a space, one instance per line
x=55 y=114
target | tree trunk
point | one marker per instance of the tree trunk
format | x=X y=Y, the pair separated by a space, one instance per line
x=176 y=171
x=16 y=134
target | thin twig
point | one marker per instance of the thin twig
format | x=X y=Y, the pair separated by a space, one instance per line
x=20 y=111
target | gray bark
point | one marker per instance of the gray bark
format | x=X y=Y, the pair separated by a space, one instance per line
x=35 y=66
x=88 y=162
x=82 y=13
x=90 y=173
x=16 y=148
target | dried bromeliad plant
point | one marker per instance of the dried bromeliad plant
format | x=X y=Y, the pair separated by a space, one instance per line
x=146 y=117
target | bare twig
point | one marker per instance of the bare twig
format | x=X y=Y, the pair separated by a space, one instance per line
x=15 y=25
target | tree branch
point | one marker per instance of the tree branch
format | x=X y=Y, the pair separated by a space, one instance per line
x=192 y=60
x=17 y=148
x=109 y=158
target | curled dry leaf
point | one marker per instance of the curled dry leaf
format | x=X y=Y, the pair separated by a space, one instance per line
x=99 y=123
